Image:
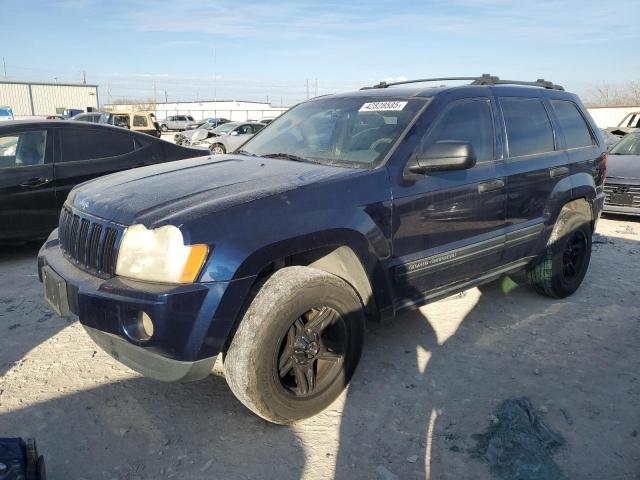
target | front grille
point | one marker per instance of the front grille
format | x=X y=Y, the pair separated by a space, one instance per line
x=92 y=244
x=633 y=190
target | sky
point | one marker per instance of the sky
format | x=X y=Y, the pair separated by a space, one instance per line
x=269 y=50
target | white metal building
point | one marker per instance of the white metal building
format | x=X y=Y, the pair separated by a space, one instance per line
x=36 y=98
x=237 y=110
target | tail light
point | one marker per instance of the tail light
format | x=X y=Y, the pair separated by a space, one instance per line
x=603 y=162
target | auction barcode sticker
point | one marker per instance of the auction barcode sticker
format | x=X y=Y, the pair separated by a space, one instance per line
x=382 y=107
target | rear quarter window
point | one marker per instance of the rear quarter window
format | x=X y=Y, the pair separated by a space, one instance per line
x=140 y=121
x=77 y=144
x=529 y=130
x=575 y=128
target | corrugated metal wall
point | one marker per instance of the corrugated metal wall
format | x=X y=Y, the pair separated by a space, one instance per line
x=45 y=99
x=16 y=96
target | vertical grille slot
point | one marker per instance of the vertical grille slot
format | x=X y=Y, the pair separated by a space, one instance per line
x=73 y=244
x=94 y=243
x=108 y=251
x=82 y=241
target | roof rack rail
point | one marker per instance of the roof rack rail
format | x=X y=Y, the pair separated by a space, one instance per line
x=484 y=79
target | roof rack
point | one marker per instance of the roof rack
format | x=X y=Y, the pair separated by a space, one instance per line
x=484 y=79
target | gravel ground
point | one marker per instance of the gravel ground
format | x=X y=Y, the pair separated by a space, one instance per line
x=427 y=382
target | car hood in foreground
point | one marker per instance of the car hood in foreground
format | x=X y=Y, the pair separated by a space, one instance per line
x=623 y=167
x=178 y=191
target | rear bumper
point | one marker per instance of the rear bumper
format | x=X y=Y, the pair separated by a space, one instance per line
x=191 y=323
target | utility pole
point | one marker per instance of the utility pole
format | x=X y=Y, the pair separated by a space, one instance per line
x=165 y=97
x=155 y=94
x=215 y=83
x=4 y=65
x=84 y=77
x=307 y=89
x=109 y=94
x=316 y=87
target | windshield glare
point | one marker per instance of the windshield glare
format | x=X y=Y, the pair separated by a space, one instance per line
x=629 y=145
x=355 y=131
x=227 y=127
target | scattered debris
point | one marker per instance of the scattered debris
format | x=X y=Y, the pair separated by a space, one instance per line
x=519 y=445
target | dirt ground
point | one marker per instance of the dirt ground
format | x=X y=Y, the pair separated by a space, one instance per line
x=427 y=382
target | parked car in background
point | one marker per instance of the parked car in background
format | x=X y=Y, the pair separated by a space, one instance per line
x=350 y=208
x=71 y=112
x=231 y=135
x=195 y=136
x=213 y=122
x=92 y=117
x=267 y=120
x=630 y=123
x=622 y=185
x=54 y=117
x=177 y=122
x=6 y=114
x=40 y=161
x=609 y=138
x=142 y=122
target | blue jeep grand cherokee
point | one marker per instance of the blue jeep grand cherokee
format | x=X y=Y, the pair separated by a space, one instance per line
x=347 y=207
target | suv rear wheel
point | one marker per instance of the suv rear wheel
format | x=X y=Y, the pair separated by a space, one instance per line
x=297 y=346
x=566 y=260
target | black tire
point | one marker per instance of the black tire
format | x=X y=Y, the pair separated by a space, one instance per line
x=277 y=365
x=565 y=262
x=217 y=149
x=31 y=454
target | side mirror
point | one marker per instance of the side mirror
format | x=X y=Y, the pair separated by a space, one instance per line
x=444 y=156
x=234 y=133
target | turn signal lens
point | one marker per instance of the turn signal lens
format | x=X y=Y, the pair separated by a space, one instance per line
x=197 y=256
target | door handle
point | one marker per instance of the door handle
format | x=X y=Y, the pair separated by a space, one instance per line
x=35 y=182
x=558 y=172
x=490 y=186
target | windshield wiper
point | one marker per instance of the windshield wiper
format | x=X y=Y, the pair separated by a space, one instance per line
x=244 y=152
x=287 y=156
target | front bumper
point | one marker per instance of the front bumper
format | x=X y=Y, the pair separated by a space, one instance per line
x=608 y=208
x=191 y=322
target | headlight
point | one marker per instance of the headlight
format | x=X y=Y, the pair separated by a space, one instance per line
x=159 y=255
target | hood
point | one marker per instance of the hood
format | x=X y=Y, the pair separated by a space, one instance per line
x=196 y=135
x=623 y=166
x=174 y=192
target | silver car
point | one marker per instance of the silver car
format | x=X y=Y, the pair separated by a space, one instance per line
x=231 y=135
x=177 y=122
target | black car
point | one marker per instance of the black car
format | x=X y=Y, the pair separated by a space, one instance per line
x=347 y=208
x=623 y=176
x=40 y=161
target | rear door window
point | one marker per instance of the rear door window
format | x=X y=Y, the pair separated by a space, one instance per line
x=77 y=144
x=575 y=128
x=468 y=120
x=529 y=130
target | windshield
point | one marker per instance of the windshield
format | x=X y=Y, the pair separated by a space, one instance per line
x=355 y=131
x=227 y=127
x=104 y=118
x=629 y=145
x=5 y=112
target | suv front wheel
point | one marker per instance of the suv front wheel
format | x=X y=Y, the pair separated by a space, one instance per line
x=297 y=346
x=562 y=268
